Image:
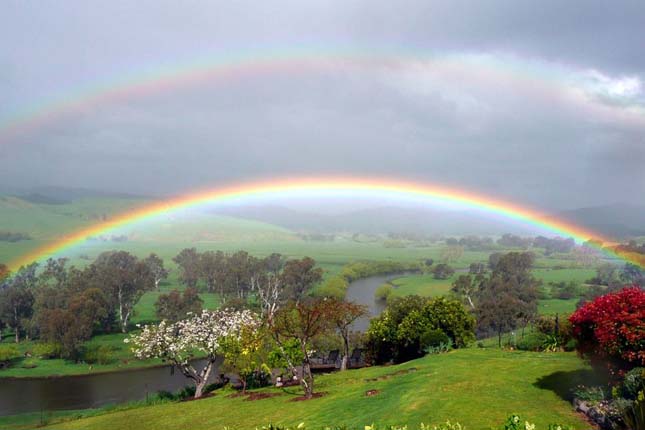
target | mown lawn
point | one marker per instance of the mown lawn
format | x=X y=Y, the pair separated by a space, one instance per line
x=477 y=387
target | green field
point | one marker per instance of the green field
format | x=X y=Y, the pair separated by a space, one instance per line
x=422 y=285
x=442 y=387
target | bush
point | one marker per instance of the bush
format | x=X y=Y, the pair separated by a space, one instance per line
x=98 y=354
x=589 y=394
x=633 y=383
x=7 y=354
x=531 y=342
x=47 y=350
x=408 y=324
x=595 y=327
x=383 y=292
x=433 y=338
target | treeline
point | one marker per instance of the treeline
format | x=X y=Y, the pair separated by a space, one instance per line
x=8 y=236
x=241 y=275
x=550 y=245
x=336 y=286
x=65 y=306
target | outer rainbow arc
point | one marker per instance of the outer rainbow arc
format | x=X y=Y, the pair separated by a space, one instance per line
x=317 y=184
x=230 y=66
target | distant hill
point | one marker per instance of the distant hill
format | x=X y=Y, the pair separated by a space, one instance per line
x=379 y=220
x=64 y=195
x=619 y=221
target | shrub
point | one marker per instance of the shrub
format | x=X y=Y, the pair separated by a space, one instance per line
x=633 y=383
x=589 y=394
x=98 y=354
x=47 y=350
x=531 y=342
x=398 y=334
x=384 y=292
x=611 y=328
x=634 y=415
x=8 y=353
x=433 y=337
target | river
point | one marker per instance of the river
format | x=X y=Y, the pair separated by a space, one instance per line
x=21 y=395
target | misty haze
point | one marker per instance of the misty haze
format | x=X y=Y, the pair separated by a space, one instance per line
x=322 y=215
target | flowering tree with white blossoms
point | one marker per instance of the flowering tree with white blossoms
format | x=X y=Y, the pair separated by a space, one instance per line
x=199 y=335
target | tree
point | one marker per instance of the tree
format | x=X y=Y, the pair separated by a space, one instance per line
x=181 y=342
x=4 y=272
x=174 y=306
x=16 y=306
x=466 y=287
x=612 y=328
x=303 y=322
x=508 y=296
x=155 y=264
x=238 y=271
x=477 y=269
x=124 y=279
x=344 y=315
x=442 y=271
x=189 y=264
x=403 y=330
x=245 y=352
x=300 y=275
x=451 y=254
x=213 y=268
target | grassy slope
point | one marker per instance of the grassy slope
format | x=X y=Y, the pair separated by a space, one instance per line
x=444 y=387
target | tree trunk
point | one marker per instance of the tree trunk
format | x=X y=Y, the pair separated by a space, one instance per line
x=202 y=379
x=307 y=379
x=17 y=334
x=499 y=338
x=470 y=302
x=344 y=362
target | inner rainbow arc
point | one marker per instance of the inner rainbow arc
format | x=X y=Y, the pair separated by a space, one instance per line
x=330 y=185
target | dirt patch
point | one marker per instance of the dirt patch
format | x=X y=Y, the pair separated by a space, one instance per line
x=391 y=375
x=314 y=396
x=260 y=396
x=370 y=393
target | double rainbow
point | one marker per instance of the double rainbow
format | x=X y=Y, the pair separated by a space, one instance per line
x=546 y=82
x=320 y=187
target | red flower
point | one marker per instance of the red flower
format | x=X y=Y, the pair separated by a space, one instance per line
x=613 y=326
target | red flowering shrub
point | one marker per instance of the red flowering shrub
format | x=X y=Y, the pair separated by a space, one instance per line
x=612 y=327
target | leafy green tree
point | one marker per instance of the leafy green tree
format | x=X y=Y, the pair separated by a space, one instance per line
x=303 y=321
x=189 y=264
x=442 y=271
x=509 y=296
x=17 y=299
x=159 y=272
x=124 y=279
x=299 y=276
x=174 y=306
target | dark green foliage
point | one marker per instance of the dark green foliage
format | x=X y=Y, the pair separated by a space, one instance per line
x=508 y=298
x=633 y=383
x=433 y=337
x=411 y=324
x=175 y=306
x=98 y=354
x=442 y=271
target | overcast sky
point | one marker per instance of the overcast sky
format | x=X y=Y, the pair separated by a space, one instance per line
x=536 y=102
